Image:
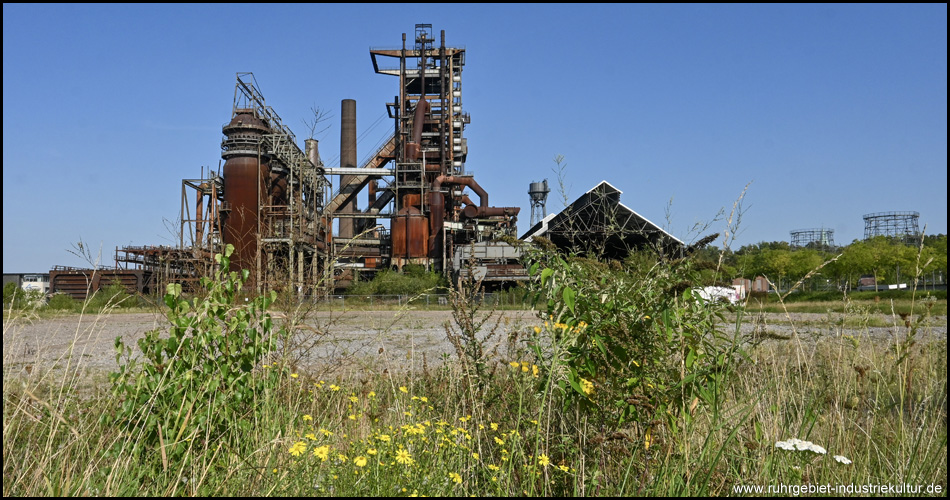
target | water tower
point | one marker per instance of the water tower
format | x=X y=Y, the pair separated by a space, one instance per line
x=538 y=191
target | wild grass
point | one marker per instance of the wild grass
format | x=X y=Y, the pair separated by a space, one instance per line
x=398 y=429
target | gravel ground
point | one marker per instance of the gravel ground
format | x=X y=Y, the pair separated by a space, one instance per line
x=360 y=338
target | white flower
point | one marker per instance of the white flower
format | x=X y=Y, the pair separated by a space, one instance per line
x=843 y=460
x=797 y=444
x=802 y=445
x=785 y=445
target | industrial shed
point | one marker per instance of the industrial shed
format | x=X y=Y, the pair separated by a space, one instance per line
x=598 y=225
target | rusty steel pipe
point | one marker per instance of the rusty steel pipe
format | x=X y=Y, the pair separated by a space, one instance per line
x=483 y=210
x=418 y=120
x=472 y=211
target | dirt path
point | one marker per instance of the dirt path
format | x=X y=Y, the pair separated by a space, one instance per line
x=403 y=339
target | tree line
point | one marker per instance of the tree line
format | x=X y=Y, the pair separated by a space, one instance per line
x=889 y=260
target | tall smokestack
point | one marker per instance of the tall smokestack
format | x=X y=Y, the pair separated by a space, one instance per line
x=347 y=160
x=313 y=152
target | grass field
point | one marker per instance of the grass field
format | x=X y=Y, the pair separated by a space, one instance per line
x=868 y=410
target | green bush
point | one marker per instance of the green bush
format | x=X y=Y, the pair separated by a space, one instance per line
x=62 y=302
x=412 y=281
x=17 y=298
x=12 y=295
x=114 y=295
x=199 y=383
x=632 y=342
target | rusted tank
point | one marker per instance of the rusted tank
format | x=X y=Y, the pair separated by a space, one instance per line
x=244 y=172
x=410 y=234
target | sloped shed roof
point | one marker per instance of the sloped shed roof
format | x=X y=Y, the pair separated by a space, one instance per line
x=597 y=223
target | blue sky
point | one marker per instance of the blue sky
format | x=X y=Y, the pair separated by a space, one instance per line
x=829 y=111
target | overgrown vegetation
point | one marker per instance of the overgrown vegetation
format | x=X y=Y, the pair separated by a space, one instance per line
x=626 y=384
x=413 y=280
x=198 y=383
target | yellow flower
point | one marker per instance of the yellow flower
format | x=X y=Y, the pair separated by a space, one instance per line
x=298 y=448
x=524 y=366
x=424 y=399
x=403 y=457
x=360 y=461
x=494 y=426
x=537 y=329
x=311 y=436
x=475 y=455
x=563 y=468
x=534 y=370
x=403 y=389
x=543 y=460
x=293 y=375
x=341 y=457
x=307 y=418
x=352 y=417
x=384 y=437
x=354 y=399
x=371 y=394
x=587 y=386
x=499 y=440
x=515 y=364
x=326 y=433
x=322 y=452
x=456 y=478
x=493 y=467
x=334 y=387
x=647 y=440
x=371 y=451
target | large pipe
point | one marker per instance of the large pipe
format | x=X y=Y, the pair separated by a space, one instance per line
x=482 y=210
x=198 y=214
x=418 y=120
x=347 y=160
x=313 y=152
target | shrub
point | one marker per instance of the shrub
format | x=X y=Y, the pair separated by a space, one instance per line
x=198 y=383
x=412 y=281
x=12 y=295
x=62 y=302
x=632 y=342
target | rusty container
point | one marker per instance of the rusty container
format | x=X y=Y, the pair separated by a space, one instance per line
x=410 y=234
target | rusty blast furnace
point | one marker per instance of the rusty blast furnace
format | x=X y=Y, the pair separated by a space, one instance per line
x=277 y=205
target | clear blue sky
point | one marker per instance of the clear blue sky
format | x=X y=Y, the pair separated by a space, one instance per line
x=830 y=111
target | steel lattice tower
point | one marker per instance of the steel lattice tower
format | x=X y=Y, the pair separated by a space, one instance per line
x=821 y=237
x=901 y=225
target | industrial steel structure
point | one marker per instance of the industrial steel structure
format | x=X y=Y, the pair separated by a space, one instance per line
x=820 y=238
x=597 y=224
x=277 y=205
x=901 y=225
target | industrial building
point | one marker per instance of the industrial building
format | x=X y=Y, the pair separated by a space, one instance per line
x=407 y=203
x=277 y=204
x=596 y=223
